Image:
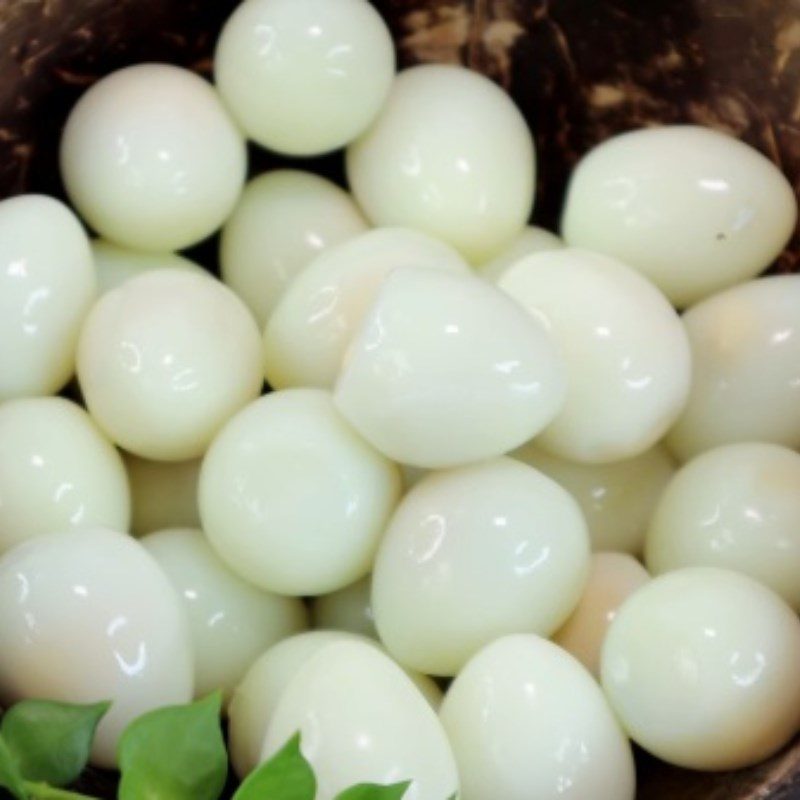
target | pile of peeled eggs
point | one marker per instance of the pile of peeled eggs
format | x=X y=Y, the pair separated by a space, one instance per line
x=488 y=455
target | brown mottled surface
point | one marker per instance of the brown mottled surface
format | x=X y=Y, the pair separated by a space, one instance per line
x=579 y=69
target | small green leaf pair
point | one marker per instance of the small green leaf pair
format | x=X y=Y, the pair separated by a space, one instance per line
x=288 y=776
x=45 y=745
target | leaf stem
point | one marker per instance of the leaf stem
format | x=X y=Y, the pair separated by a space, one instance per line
x=42 y=791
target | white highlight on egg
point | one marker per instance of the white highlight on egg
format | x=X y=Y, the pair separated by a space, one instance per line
x=163 y=494
x=87 y=616
x=362 y=720
x=283 y=220
x=292 y=498
x=473 y=554
x=613 y=577
x=700 y=666
x=304 y=77
x=449 y=154
x=150 y=158
x=745 y=368
x=165 y=360
x=617 y=499
x=349 y=609
x=626 y=351
x=531 y=239
x=736 y=506
x=447 y=370
x=231 y=621
x=692 y=208
x=526 y=720
x=47 y=286
x=57 y=471
x=256 y=696
x=115 y=265
x=311 y=328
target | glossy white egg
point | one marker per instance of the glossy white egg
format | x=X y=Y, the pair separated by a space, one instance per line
x=304 y=77
x=447 y=370
x=692 y=208
x=349 y=609
x=627 y=354
x=165 y=360
x=700 y=666
x=526 y=720
x=57 y=471
x=151 y=159
x=163 y=494
x=311 y=328
x=738 y=507
x=87 y=616
x=617 y=499
x=231 y=621
x=283 y=220
x=531 y=239
x=47 y=285
x=292 y=498
x=362 y=720
x=745 y=368
x=449 y=154
x=115 y=265
x=472 y=554
x=256 y=696
x=613 y=577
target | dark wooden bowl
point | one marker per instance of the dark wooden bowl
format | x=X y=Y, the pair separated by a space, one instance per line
x=579 y=69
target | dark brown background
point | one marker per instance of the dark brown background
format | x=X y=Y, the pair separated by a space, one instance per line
x=579 y=69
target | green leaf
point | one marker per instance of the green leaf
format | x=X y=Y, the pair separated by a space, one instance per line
x=175 y=753
x=374 y=791
x=286 y=776
x=49 y=741
x=10 y=777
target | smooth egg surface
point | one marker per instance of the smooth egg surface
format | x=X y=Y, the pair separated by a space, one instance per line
x=475 y=553
x=87 y=616
x=362 y=720
x=531 y=239
x=47 y=285
x=425 y=383
x=284 y=219
x=694 y=209
x=700 y=666
x=349 y=609
x=526 y=720
x=627 y=354
x=308 y=334
x=292 y=499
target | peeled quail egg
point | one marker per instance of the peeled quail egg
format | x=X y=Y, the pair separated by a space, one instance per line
x=627 y=354
x=362 y=720
x=231 y=622
x=349 y=609
x=617 y=499
x=700 y=666
x=447 y=370
x=165 y=360
x=526 y=720
x=150 y=158
x=47 y=286
x=472 y=554
x=304 y=77
x=57 y=471
x=530 y=240
x=738 y=507
x=692 y=208
x=283 y=220
x=87 y=616
x=449 y=154
x=311 y=328
x=745 y=346
x=292 y=499
x=613 y=577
